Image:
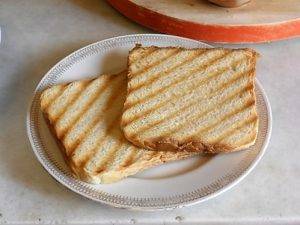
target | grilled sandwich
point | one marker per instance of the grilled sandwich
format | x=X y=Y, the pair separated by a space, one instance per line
x=85 y=117
x=191 y=99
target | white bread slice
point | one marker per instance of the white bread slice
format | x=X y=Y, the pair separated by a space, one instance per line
x=191 y=99
x=85 y=117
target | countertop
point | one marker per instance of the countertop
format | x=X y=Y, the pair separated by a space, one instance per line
x=37 y=34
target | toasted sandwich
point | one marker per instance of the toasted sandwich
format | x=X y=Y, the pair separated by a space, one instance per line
x=85 y=118
x=199 y=100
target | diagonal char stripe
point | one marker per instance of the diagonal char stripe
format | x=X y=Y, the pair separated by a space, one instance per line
x=69 y=95
x=144 y=113
x=102 y=155
x=199 y=69
x=184 y=108
x=232 y=130
x=86 y=105
x=71 y=101
x=82 y=161
x=85 y=132
x=190 y=62
x=201 y=115
x=178 y=127
x=224 y=117
x=194 y=101
x=141 y=154
x=166 y=72
x=144 y=55
x=155 y=63
x=123 y=156
x=179 y=95
x=57 y=95
x=109 y=156
x=153 y=107
x=130 y=159
x=180 y=80
x=170 y=64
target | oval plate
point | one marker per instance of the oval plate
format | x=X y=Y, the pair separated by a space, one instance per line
x=169 y=186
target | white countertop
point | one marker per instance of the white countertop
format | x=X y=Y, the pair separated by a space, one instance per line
x=37 y=34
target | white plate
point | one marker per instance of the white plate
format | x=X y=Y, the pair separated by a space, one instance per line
x=168 y=186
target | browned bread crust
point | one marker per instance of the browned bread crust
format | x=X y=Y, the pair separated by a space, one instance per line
x=84 y=117
x=151 y=72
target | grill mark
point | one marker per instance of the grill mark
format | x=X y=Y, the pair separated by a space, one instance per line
x=204 y=114
x=234 y=129
x=149 y=51
x=173 y=84
x=73 y=99
x=130 y=158
x=196 y=100
x=191 y=59
x=154 y=108
x=58 y=94
x=121 y=153
x=86 y=132
x=160 y=61
x=85 y=109
x=120 y=156
x=139 y=155
x=175 y=129
x=91 y=152
x=110 y=156
x=234 y=64
x=167 y=72
x=205 y=130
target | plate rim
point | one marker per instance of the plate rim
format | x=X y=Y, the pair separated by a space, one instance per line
x=223 y=189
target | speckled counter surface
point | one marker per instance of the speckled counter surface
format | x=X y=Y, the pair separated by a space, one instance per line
x=37 y=34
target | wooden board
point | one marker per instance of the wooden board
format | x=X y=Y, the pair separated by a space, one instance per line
x=257 y=21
